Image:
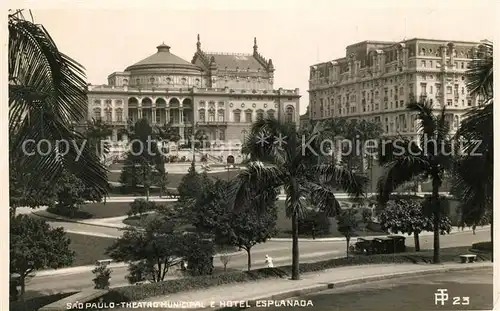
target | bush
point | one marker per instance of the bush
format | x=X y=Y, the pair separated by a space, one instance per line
x=140 y=207
x=483 y=246
x=102 y=274
x=314 y=224
x=139 y=292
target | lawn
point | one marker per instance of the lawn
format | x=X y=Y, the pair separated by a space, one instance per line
x=100 y=210
x=88 y=248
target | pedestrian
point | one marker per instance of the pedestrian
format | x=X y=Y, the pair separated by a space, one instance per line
x=269 y=261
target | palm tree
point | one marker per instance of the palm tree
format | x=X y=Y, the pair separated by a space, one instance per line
x=405 y=160
x=47 y=96
x=477 y=126
x=296 y=166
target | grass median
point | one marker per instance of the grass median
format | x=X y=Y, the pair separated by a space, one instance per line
x=88 y=249
x=137 y=293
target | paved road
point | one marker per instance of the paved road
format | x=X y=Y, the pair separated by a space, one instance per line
x=407 y=293
x=280 y=251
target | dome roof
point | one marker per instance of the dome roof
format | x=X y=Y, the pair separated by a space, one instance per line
x=163 y=59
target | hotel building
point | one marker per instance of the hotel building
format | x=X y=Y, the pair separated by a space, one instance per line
x=376 y=80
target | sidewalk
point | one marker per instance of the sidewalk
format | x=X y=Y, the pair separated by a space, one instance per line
x=278 y=289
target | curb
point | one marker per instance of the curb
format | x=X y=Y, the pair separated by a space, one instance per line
x=343 y=283
x=75 y=221
x=88 y=268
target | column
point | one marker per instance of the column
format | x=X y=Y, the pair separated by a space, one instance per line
x=153 y=116
x=139 y=113
x=167 y=112
x=114 y=135
x=181 y=116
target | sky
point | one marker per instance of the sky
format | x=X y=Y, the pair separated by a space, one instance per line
x=108 y=36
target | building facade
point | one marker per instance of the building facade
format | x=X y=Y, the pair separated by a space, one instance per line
x=376 y=80
x=218 y=94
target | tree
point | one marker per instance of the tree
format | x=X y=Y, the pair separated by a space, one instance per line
x=248 y=227
x=160 y=180
x=347 y=225
x=71 y=193
x=34 y=245
x=157 y=246
x=22 y=194
x=191 y=184
x=47 y=96
x=224 y=259
x=144 y=160
x=102 y=275
x=432 y=157
x=409 y=216
x=210 y=213
x=314 y=223
x=198 y=250
x=476 y=162
x=140 y=207
x=281 y=156
x=357 y=133
x=97 y=132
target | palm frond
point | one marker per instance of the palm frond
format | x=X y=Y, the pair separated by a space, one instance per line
x=425 y=114
x=338 y=177
x=480 y=73
x=47 y=95
x=401 y=170
x=241 y=189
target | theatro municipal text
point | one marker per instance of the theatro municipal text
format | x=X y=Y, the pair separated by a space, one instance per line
x=189 y=304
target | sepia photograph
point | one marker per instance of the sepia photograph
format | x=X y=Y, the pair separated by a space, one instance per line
x=250 y=155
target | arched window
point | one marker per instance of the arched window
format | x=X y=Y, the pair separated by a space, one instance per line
x=119 y=114
x=97 y=113
x=289 y=114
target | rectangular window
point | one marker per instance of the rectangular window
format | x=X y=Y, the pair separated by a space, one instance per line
x=449 y=90
x=237 y=117
x=248 y=117
x=449 y=102
x=422 y=64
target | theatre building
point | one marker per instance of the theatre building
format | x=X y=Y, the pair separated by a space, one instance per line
x=217 y=94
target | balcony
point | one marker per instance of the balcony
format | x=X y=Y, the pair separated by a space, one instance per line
x=423 y=97
x=211 y=123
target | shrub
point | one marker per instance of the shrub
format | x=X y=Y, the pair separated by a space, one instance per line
x=139 y=292
x=102 y=274
x=140 y=207
x=483 y=246
x=315 y=223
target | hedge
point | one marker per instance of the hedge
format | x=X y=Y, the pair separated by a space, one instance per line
x=139 y=292
x=483 y=246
